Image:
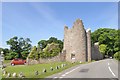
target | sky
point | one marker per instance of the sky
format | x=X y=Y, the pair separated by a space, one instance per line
x=40 y=20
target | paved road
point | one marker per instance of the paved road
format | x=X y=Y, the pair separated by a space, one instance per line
x=107 y=68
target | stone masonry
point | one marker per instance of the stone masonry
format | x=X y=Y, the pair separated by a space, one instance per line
x=89 y=44
x=77 y=43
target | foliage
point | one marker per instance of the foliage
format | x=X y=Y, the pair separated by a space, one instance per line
x=44 y=43
x=1 y=49
x=33 y=53
x=117 y=55
x=24 y=54
x=11 y=55
x=51 y=50
x=108 y=40
x=19 y=46
x=103 y=48
x=5 y=51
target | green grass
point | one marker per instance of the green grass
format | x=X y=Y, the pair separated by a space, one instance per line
x=29 y=70
x=6 y=61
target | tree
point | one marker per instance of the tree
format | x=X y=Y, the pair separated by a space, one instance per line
x=50 y=50
x=1 y=49
x=20 y=46
x=103 y=48
x=108 y=37
x=117 y=55
x=52 y=39
x=11 y=56
x=39 y=50
x=42 y=44
x=32 y=54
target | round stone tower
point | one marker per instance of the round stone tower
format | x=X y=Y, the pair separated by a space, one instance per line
x=75 y=42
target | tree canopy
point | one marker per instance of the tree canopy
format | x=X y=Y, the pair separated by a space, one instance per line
x=108 y=40
x=19 y=48
x=43 y=43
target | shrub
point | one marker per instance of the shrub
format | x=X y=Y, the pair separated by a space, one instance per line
x=117 y=55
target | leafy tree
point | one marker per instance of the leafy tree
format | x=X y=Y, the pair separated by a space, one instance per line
x=1 y=49
x=39 y=50
x=108 y=37
x=11 y=56
x=52 y=39
x=24 y=54
x=33 y=53
x=5 y=51
x=20 y=46
x=103 y=48
x=50 y=50
x=42 y=44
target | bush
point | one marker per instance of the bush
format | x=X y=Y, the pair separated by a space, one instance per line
x=117 y=55
x=8 y=57
x=11 y=56
x=24 y=54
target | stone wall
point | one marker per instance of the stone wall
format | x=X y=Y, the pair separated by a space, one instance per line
x=45 y=60
x=89 y=49
x=96 y=55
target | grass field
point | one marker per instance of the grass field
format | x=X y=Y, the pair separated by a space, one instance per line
x=6 y=61
x=29 y=70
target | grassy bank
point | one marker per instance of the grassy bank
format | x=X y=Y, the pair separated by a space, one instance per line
x=29 y=70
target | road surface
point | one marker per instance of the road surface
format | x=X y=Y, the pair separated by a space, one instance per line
x=107 y=68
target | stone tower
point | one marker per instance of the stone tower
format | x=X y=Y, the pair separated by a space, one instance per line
x=89 y=46
x=75 y=42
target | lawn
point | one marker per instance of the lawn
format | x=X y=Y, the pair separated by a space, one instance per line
x=29 y=70
x=6 y=61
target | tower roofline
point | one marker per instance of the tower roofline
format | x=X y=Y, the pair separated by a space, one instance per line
x=78 y=21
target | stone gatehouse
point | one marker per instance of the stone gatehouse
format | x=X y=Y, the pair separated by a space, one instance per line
x=77 y=43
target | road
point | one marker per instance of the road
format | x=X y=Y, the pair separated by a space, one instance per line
x=107 y=68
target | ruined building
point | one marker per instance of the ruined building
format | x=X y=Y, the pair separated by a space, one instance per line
x=77 y=43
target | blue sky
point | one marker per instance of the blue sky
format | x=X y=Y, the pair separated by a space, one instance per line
x=38 y=20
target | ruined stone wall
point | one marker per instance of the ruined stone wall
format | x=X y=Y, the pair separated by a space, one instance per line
x=44 y=60
x=77 y=46
x=89 y=52
x=96 y=55
x=75 y=42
